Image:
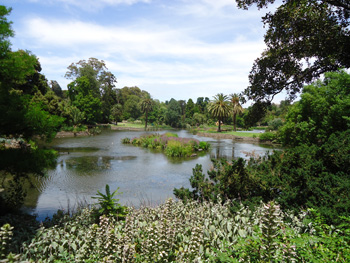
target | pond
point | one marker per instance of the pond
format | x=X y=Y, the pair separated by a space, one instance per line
x=87 y=164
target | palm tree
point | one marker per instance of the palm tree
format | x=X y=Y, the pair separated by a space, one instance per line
x=236 y=108
x=147 y=106
x=219 y=108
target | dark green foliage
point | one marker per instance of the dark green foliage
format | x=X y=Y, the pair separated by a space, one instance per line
x=20 y=79
x=226 y=181
x=189 y=109
x=109 y=205
x=255 y=113
x=324 y=108
x=304 y=39
x=173 y=114
x=301 y=177
x=24 y=228
x=132 y=107
x=219 y=108
x=21 y=114
x=17 y=164
x=5 y=31
x=311 y=176
x=268 y=136
x=25 y=118
x=92 y=90
x=275 y=124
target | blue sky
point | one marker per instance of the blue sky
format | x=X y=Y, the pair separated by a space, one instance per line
x=177 y=49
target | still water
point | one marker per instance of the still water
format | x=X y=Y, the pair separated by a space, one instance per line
x=87 y=164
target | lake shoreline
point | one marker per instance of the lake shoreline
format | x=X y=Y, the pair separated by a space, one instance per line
x=66 y=134
x=230 y=136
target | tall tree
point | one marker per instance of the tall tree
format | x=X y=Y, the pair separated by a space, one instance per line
x=82 y=97
x=324 y=108
x=56 y=88
x=5 y=31
x=146 y=106
x=202 y=104
x=95 y=71
x=19 y=72
x=21 y=116
x=173 y=114
x=219 y=108
x=132 y=107
x=236 y=109
x=189 y=108
x=108 y=95
x=305 y=39
x=183 y=109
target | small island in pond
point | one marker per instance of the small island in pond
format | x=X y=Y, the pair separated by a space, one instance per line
x=171 y=144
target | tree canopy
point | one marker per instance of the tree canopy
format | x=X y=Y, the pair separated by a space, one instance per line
x=219 y=108
x=324 y=108
x=20 y=79
x=304 y=39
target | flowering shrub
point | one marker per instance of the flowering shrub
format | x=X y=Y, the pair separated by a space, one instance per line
x=190 y=232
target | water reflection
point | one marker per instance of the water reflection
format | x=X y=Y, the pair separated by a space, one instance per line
x=87 y=164
x=69 y=150
x=83 y=164
x=221 y=152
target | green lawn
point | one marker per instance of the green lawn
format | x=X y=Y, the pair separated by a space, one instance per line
x=243 y=134
x=141 y=125
x=240 y=134
x=130 y=125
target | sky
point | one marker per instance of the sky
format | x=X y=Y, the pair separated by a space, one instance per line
x=177 y=49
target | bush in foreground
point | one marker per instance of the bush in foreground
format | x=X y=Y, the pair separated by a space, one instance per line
x=191 y=232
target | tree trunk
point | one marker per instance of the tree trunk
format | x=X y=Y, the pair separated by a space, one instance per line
x=146 y=120
x=219 y=127
x=234 y=122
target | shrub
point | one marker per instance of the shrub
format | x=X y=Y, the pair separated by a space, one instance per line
x=109 y=205
x=275 y=124
x=126 y=140
x=5 y=239
x=268 y=136
x=192 y=232
x=171 y=143
x=170 y=134
x=224 y=181
x=204 y=146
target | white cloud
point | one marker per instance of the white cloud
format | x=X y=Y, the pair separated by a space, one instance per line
x=152 y=57
x=91 y=5
x=175 y=51
x=140 y=41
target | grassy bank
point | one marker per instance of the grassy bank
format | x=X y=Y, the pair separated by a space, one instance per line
x=243 y=134
x=140 y=126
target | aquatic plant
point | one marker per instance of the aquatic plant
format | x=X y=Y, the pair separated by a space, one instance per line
x=172 y=145
x=126 y=140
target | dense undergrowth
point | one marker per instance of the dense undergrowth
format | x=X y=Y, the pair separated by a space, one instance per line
x=185 y=232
